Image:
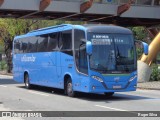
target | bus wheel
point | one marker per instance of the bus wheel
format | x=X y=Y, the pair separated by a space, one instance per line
x=26 y=81
x=69 y=88
x=108 y=94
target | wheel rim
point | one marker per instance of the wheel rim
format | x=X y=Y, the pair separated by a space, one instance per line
x=26 y=81
x=69 y=88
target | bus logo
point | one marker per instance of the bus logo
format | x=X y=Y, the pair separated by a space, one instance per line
x=28 y=58
x=116 y=79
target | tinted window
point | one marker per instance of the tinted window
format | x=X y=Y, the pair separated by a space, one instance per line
x=80 y=51
x=78 y=36
x=23 y=45
x=32 y=44
x=42 y=43
x=16 y=46
x=83 y=64
x=65 y=41
x=53 y=40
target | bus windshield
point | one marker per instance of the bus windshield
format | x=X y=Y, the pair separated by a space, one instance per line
x=112 y=53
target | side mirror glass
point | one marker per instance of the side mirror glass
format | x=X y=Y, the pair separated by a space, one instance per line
x=89 y=48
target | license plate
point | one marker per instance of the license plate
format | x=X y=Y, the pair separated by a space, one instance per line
x=117 y=86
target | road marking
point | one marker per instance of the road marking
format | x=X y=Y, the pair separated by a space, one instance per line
x=28 y=110
x=111 y=108
x=116 y=109
x=3 y=86
x=38 y=93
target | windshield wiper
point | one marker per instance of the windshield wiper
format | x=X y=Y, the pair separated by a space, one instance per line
x=99 y=70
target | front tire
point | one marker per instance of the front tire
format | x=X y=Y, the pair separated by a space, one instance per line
x=26 y=81
x=69 y=88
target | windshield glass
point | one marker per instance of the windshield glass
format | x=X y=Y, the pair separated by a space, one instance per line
x=112 y=52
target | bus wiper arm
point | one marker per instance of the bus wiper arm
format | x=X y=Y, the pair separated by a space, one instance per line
x=99 y=69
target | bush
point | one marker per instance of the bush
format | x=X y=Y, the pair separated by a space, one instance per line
x=155 y=76
x=3 y=65
x=139 y=53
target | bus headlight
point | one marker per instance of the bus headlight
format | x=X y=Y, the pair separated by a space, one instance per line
x=132 y=78
x=97 y=78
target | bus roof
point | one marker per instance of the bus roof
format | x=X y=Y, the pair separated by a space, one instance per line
x=100 y=28
x=46 y=30
x=96 y=28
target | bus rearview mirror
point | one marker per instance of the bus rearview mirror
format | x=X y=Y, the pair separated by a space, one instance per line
x=89 y=48
x=145 y=48
x=142 y=45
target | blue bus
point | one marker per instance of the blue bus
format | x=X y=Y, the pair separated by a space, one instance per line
x=84 y=58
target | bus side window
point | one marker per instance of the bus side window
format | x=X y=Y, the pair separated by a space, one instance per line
x=52 y=42
x=29 y=46
x=23 y=47
x=65 y=42
x=80 y=51
x=60 y=42
x=32 y=44
x=42 y=43
x=16 y=46
x=83 y=66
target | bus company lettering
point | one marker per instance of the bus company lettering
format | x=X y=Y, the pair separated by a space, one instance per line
x=101 y=42
x=28 y=58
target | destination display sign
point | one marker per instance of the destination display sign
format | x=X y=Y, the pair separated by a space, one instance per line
x=103 y=39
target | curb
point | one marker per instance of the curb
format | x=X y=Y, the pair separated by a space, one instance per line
x=10 y=74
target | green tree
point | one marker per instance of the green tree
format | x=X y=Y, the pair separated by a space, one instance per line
x=10 y=28
x=139 y=33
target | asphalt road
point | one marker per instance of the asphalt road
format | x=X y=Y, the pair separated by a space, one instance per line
x=15 y=97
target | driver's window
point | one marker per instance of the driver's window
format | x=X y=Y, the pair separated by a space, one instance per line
x=80 y=51
x=83 y=64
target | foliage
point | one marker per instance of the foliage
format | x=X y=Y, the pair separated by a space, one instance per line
x=139 y=33
x=155 y=76
x=3 y=65
x=1 y=49
x=139 y=53
x=9 y=28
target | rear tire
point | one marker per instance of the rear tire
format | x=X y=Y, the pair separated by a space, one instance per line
x=109 y=94
x=26 y=81
x=69 y=88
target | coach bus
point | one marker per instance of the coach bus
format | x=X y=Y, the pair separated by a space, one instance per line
x=77 y=58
